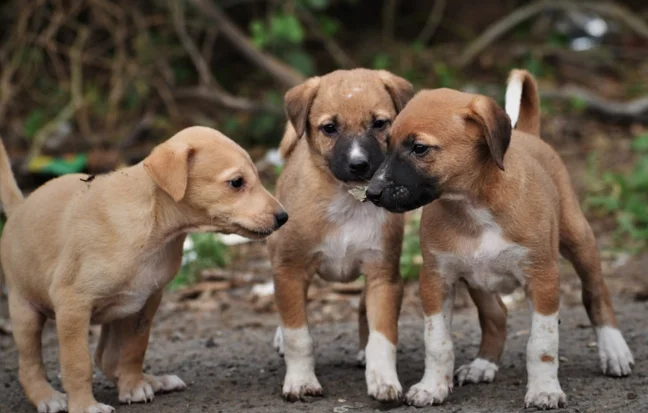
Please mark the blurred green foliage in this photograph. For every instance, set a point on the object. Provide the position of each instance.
(205, 251)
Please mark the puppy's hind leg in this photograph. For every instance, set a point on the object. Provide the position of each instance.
(122, 357)
(363, 329)
(492, 320)
(578, 245)
(27, 330)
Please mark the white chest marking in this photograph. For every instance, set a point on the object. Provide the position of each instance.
(494, 265)
(357, 234)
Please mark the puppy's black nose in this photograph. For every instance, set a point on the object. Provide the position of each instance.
(374, 194)
(358, 166)
(280, 219)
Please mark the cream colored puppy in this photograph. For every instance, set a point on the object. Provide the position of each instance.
(102, 249)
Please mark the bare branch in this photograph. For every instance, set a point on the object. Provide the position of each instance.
(636, 109)
(505, 24)
(225, 99)
(433, 21)
(283, 73)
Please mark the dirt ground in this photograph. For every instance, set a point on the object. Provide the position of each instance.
(227, 360)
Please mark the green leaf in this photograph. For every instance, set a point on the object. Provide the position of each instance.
(301, 61)
(35, 120)
(317, 4)
(286, 28)
(259, 33)
(640, 144)
(382, 61)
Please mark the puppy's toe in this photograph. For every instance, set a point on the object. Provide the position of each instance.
(361, 358)
(616, 358)
(428, 394)
(139, 392)
(98, 408)
(549, 398)
(383, 387)
(479, 371)
(171, 383)
(298, 388)
(56, 403)
(277, 342)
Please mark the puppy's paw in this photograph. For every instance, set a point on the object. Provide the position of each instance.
(616, 358)
(298, 388)
(429, 393)
(479, 371)
(384, 386)
(278, 342)
(361, 358)
(547, 396)
(57, 402)
(93, 408)
(142, 389)
(166, 383)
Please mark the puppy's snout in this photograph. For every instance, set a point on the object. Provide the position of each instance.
(374, 192)
(359, 165)
(280, 219)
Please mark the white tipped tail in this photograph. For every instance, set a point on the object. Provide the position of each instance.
(522, 103)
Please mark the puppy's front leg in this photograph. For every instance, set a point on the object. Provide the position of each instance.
(543, 388)
(438, 299)
(121, 352)
(290, 294)
(72, 324)
(383, 296)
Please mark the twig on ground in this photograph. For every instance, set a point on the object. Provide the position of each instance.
(279, 70)
(636, 109)
(508, 22)
(432, 23)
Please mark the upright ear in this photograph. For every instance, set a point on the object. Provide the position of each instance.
(168, 166)
(400, 90)
(298, 102)
(495, 124)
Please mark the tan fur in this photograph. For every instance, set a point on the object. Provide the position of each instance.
(527, 191)
(103, 251)
(308, 190)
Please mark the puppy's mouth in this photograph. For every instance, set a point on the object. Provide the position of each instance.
(255, 234)
(400, 198)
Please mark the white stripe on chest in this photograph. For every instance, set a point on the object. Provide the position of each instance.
(490, 263)
(356, 234)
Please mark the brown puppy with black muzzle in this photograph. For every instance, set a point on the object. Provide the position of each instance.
(102, 251)
(345, 117)
(499, 209)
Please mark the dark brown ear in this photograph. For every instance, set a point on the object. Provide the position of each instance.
(298, 102)
(495, 124)
(168, 166)
(400, 90)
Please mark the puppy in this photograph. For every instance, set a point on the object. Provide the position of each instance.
(499, 209)
(102, 250)
(344, 118)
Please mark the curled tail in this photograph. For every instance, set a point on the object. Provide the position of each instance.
(10, 194)
(522, 102)
(288, 142)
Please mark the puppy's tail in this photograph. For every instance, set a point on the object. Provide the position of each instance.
(522, 102)
(288, 142)
(10, 194)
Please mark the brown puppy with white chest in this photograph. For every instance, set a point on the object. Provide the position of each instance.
(499, 210)
(102, 251)
(344, 118)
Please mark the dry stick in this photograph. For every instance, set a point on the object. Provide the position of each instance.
(633, 109)
(500, 27)
(433, 21)
(76, 83)
(209, 88)
(332, 47)
(279, 70)
(388, 19)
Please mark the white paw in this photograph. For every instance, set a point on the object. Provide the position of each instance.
(169, 383)
(361, 358)
(56, 403)
(95, 408)
(297, 387)
(616, 358)
(140, 392)
(278, 342)
(479, 371)
(428, 393)
(383, 385)
(547, 395)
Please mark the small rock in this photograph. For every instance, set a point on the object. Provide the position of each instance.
(591, 344)
(563, 359)
(632, 395)
(211, 343)
(341, 400)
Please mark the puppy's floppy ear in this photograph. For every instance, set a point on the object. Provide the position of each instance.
(495, 124)
(400, 90)
(298, 102)
(168, 166)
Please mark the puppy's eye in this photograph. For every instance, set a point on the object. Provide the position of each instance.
(236, 183)
(379, 124)
(420, 149)
(329, 128)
